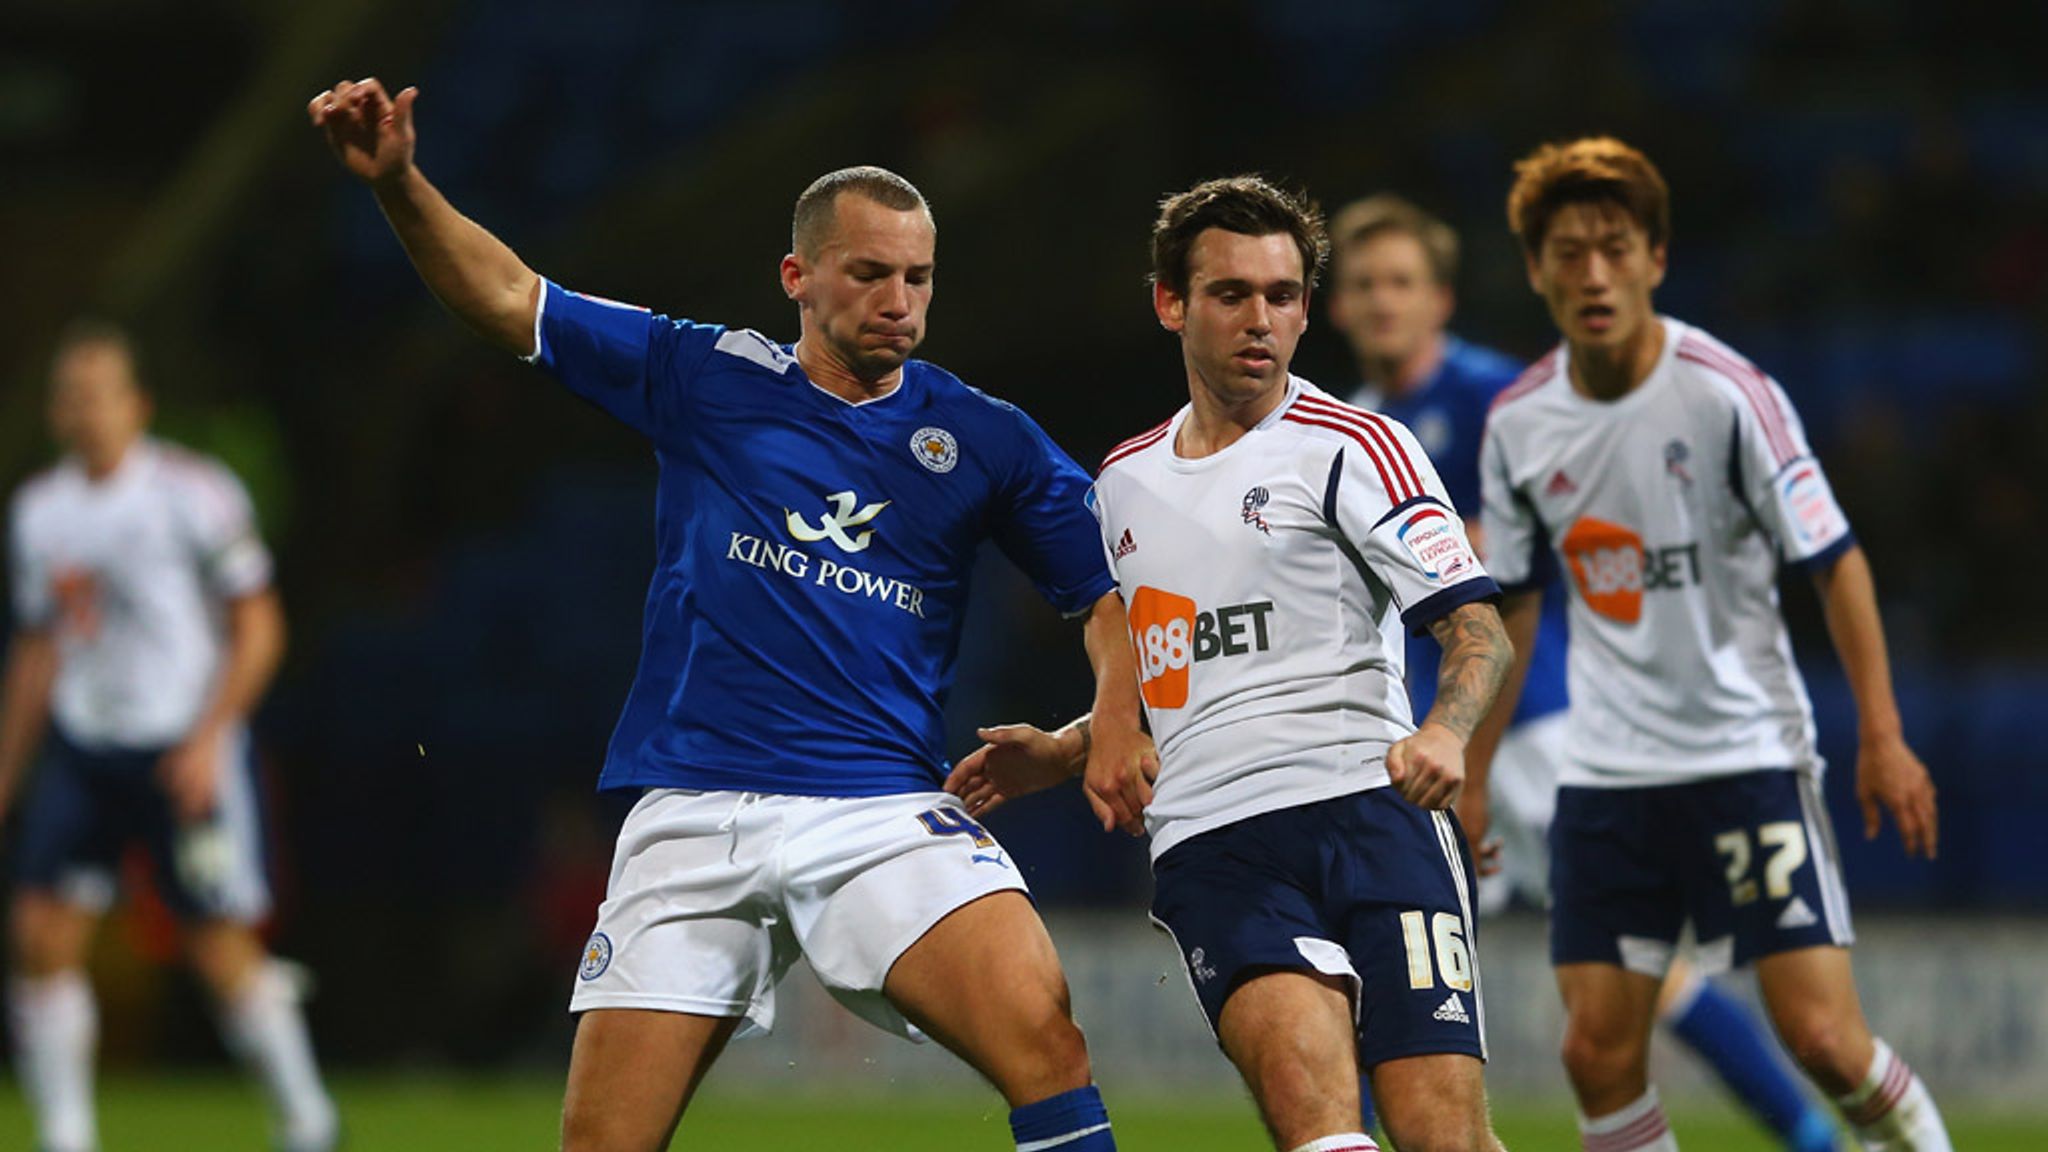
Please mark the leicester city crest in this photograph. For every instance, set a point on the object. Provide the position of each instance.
(935, 448)
(597, 956)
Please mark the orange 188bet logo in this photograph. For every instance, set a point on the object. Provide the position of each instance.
(1163, 632)
(1607, 564)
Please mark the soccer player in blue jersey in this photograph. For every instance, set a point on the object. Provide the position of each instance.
(819, 510)
(1395, 270)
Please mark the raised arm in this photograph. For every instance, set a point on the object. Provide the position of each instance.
(1888, 774)
(24, 705)
(472, 272)
(1429, 766)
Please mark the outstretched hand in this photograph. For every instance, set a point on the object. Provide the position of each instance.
(1889, 777)
(1015, 760)
(1122, 764)
(368, 131)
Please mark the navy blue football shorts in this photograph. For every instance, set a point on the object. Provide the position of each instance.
(85, 808)
(1749, 861)
(1367, 887)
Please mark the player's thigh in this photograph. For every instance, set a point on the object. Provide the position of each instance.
(1763, 876)
(70, 825)
(632, 1072)
(868, 881)
(49, 934)
(1617, 879)
(1433, 1102)
(691, 923)
(1811, 996)
(1400, 889)
(1290, 1034)
(1609, 1012)
(986, 983)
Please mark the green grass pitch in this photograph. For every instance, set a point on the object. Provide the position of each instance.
(392, 1113)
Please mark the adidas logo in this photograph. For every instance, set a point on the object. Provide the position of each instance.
(1797, 915)
(1560, 484)
(1452, 1011)
(1125, 546)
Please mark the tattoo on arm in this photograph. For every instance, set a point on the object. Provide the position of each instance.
(1085, 725)
(1477, 656)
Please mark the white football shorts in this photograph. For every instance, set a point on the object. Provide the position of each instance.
(713, 895)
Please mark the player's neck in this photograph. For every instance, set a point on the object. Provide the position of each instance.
(1403, 377)
(833, 375)
(101, 463)
(1609, 373)
(1216, 421)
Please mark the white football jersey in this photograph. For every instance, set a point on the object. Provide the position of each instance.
(1266, 585)
(1669, 510)
(131, 572)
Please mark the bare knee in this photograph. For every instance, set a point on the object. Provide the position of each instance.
(226, 956)
(1049, 1056)
(1836, 1053)
(1602, 1058)
(48, 936)
(1441, 1130)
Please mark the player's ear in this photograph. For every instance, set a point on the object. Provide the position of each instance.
(793, 275)
(1659, 255)
(1535, 270)
(1170, 307)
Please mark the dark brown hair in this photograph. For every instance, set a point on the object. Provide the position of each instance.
(1246, 205)
(1593, 169)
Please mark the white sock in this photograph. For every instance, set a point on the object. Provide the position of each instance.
(1891, 1111)
(264, 1028)
(1341, 1142)
(56, 1028)
(1639, 1127)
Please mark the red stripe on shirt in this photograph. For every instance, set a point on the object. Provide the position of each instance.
(1386, 477)
(1375, 425)
(1532, 378)
(1136, 443)
(1754, 385)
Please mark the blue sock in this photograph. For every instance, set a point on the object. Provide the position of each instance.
(1367, 1118)
(1072, 1121)
(1717, 1026)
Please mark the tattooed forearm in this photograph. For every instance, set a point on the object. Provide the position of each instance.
(1477, 656)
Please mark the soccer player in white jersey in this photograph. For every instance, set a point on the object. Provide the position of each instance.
(1670, 479)
(820, 507)
(1394, 267)
(146, 631)
(1273, 544)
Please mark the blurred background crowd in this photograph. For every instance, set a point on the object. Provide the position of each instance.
(1858, 194)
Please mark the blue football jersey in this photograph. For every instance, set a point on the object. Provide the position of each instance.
(1447, 414)
(811, 554)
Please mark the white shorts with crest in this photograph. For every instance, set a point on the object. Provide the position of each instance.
(713, 895)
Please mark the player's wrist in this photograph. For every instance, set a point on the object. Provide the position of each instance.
(1075, 740)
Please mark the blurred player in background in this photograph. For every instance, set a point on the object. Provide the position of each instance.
(1670, 478)
(1395, 273)
(147, 629)
(820, 507)
(1272, 544)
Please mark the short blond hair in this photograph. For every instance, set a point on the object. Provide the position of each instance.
(1361, 220)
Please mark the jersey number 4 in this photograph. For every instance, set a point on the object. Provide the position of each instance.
(1447, 931)
(953, 822)
(1785, 840)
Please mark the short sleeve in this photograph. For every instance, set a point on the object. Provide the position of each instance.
(1046, 524)
(635, 365)
(1514, 537)
(1386, 498)
(33, 606)
(1782, 482)
(222, 524)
